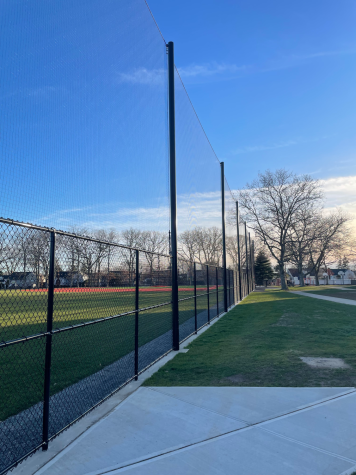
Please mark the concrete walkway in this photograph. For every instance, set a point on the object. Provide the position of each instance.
(324, 297)
(211, 431)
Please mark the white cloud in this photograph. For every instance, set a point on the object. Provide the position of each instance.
(340, 193)
(209, 69)
(221, 70)
(276, 145)
(142, 76)
(196, 209)
(295, 60)
(260, 148)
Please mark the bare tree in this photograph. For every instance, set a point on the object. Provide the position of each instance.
(13, 251)
(209, 245)
(102, 250)
(270, 205)
(38, 254)
(232, 250)
(156, 243)
(73, 252)
(330, 236)
(131, 238)
(188, 244)
(301, 235)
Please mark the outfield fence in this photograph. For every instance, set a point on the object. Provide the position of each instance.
(80, 318)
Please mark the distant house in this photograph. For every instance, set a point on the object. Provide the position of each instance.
(334, 276)
(115, 278)
(346, 274)
(160, 277)
(4, 281)
(309, 276)
(68, 279)
(293, 276)
(22, 280)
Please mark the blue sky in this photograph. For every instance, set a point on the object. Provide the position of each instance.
(84, 105)
(273, 82)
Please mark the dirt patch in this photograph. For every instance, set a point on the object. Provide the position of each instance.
(236, 378)
(287, 320)
(330, 363)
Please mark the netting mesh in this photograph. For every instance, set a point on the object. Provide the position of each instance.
(84, 128)
(198, 186)
(84, 100)
(244, 261)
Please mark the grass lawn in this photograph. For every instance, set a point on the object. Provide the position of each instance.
(79, 352)
(260, 341)
(348, 292)
(311, 288)
(317, 288)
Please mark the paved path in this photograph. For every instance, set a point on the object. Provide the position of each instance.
(211, 431)
(324, 297)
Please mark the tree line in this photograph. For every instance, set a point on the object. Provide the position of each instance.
(25, 250)
(286, 212)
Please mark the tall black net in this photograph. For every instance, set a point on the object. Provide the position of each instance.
(232, 254)
(198, 186)
(86, 283)
(84, 115)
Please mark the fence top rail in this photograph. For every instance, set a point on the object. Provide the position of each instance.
(78, 236)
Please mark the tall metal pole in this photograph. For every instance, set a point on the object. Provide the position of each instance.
(217, 290)
(208, 292)
(173, 194)
(247, 259)
(223, 232)
(195, 299)
(238, 249)
(47, 378)
(251, 261)
(137, 303)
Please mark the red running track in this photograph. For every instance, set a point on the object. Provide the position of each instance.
(105, 289)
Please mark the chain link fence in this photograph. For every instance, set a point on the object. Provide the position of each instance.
(80, 318)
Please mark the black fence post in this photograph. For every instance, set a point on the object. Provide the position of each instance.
(229, 288)
(173, 195)
(251, 264)
(195, 299)
(208, 292)
(223, 232)
(47, 377)
(217, 290)
(238, 250)
(247, 259)
(234, 287)
(137, 303)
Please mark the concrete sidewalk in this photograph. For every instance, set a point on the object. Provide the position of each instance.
(324, 297)
(195, 430)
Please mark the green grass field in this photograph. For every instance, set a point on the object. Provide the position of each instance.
(260, 342)
(311, 288)
(76, 353)
(317, 288)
